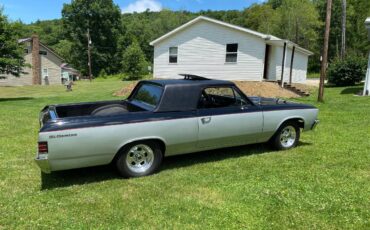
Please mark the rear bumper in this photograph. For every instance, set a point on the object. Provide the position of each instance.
(43, 163)
(315, 123)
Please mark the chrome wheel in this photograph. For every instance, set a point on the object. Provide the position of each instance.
(288, 136)
(139, 158)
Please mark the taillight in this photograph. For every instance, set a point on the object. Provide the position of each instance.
(43, 147)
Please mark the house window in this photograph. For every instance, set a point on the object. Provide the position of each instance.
(43, 52)
(173, 55)
(231, 52)
(26, 50)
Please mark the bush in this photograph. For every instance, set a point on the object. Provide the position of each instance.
(134, 63)
(103, 74)
(348, 71)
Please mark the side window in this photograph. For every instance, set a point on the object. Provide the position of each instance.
(173, 54)
(219, 97)
(231, 53)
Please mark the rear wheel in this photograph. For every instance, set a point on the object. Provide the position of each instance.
(286, 137)
(139, 159)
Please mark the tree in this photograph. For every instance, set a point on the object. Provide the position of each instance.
(64, 49)
(133, 61)
(298, 20)
(102, 18)
(11, 53)
(320, 97)
(355, 36)
(260, 18)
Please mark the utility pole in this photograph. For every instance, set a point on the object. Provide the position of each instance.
(343, 43)
(89, 52)
(324, 61)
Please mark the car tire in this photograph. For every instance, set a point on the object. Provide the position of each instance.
(286, 137)
(139, 159)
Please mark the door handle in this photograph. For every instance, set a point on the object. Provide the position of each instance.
(205, 120)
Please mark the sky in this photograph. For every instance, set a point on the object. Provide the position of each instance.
(31, 10)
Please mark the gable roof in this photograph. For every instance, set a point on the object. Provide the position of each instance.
(22, 40)
(267, 37)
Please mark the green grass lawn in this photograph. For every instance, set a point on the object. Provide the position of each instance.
(313, 75)
(323, 183)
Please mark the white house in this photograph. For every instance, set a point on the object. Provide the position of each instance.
(219, 50)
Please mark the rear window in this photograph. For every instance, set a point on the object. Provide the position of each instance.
(148, 95)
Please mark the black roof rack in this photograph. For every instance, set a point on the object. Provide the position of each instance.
(192, 77)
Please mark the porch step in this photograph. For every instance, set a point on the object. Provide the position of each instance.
(294, 89)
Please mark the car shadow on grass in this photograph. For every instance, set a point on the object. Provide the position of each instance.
(186, 160)
(78, 176)
(108, 172)
(16, 99)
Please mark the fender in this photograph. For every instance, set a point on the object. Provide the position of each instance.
(290, 118)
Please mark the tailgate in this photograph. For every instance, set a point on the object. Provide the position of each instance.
(48, 113)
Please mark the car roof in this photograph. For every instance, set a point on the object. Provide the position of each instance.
(189, 82)
(182, 94)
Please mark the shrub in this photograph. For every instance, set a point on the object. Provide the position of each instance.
(348, 71)
(134, 63)
(103, 74)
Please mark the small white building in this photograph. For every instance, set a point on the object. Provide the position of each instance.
(218, 50)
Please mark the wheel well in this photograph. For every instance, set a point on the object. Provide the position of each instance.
(160, 142)
(299, 121)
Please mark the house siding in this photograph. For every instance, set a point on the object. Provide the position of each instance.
(299, 65)
(52, 63)
(273, 62)
(202, 51)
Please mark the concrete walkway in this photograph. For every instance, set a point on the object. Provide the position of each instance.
(314, 81)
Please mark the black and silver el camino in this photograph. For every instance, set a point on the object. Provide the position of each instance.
(164, 118)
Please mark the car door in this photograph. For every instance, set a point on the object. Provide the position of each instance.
(227, 118)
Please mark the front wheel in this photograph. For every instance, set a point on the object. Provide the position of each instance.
(139, 159)
(286, 137)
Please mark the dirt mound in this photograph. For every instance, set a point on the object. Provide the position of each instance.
(264, 89)
(250, 88)
(126, 90)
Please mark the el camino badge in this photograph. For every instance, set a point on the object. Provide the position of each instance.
(63, 135)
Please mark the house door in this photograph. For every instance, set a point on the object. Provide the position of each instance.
(267, 62)
(45, 76)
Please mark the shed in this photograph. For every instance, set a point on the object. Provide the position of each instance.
(69, 73)
(219, 50)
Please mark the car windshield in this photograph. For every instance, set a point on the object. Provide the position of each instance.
(148, 95)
